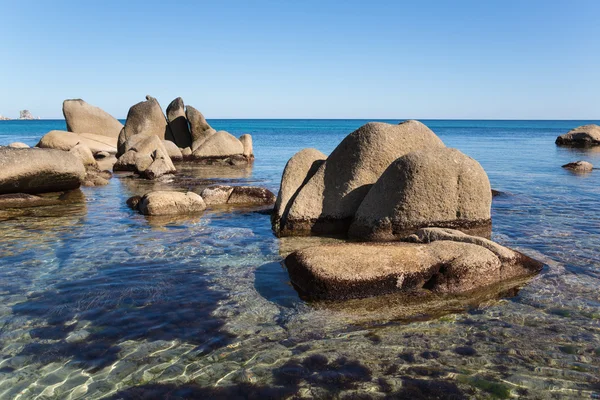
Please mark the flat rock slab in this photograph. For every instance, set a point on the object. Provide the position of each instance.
(357, 270)
(168, 203)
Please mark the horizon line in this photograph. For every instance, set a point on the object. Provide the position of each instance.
(356, 119)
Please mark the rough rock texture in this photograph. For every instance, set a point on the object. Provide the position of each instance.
(84, 153)
(63, 140)
(24, 200)
(95, 177)
(178, 123)
(82, 117)
(38, 171)
(18, 145)
(298, 170)
(25, 114)
(246, 140)
(187, 152)
(436, 187)
(199, 128)
(355, 270)
(328, 201)
(147, 156)
(170, 203)
(219, 145)
(582, 136)
(579, 166)
(173, 151)
(146, 118)
(237, 195)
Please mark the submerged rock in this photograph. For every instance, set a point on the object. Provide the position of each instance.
(39, 170)
(167, 203)
(82, 117)
(63, 140)
(432, 187)
(237, 195)
(18, 145)
(178, 123)
(579, 166)
(582, 136)
(356, 270)
(327, 202)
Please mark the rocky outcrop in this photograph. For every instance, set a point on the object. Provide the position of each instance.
(85, 155)
(173, 151)
(237, 195)
(327, 202)
(355, 270)
(4, 118)
(18, 145)
(298, 170)
(146, 118)
(82, 117)
(221, 146)
(246, 140)
(167, 203)
(178, 123)
(199, 128)
(579, 166)
(145, 155)
(25, 114)
(63, 140)
(582, 136)
(38, 171)
(431, 187)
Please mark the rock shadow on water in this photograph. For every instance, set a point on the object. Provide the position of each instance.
(88, 318)
(273, 283)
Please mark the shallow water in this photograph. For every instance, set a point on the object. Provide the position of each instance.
(98, 301)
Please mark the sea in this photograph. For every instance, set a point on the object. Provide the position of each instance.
(97, 301)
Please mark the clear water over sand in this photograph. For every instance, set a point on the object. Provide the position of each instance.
(98, 301)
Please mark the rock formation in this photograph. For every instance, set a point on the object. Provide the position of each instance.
(4, 118)
(25, 114)
(63, 140)
(145, 155)
(167, 203)
(82, 117)
(179, 124)
(579, 166)
(237, 195)
(582, 136)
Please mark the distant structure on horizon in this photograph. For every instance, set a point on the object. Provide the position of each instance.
(25, 114)
(4, 118)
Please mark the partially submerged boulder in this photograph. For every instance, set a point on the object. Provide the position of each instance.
(439, 187)
(199, 128)
(82, 117)
(237, 195)
(298, 170)
(246, 140)
(63, 140)
(355, 270)
(579, 166)
(327, 202)
(178, 123)
(39, 170)
(222, 147)
(145, 155)
(18, 145)
(168, 203)
(582, 136)
(146, 118)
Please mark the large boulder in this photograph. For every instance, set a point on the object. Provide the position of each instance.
(146, 118)
(582, 136)
(169, 203)
(18, 145)
(39, 170)
(298, 170)
(199, 128)
(147, 156)
(178, 123)
(82, 117)
(579, 166)
(246, 140)
(173, 151)
(218, 146)
(328, 201)
(84, 154)
(237, 195)
(355, 270)
(436, 187)
(63, 140)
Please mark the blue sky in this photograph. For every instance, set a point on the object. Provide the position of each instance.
(306, 59)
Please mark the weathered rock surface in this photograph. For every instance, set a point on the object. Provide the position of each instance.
(173, 151)
(355, 270)
(82, 117)
(178, 123)
(582, 136)
(218, 146)
(169, 203)
(237, 195)
(18, 145)
(84, 153)
(298, 170)
(25, 114)
(63, 140)
(328, 201)
(246, 140)
(38, 171)
(146, 118)
(439, 187)
(96, 177)
(147, 156)
(579, 166)
(199, 128)
(24, 200)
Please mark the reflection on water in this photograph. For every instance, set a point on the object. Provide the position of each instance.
(97, 301)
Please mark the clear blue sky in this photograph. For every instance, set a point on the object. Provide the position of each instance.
(525, 59)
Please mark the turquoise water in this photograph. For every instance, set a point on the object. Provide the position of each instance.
(99, 302)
